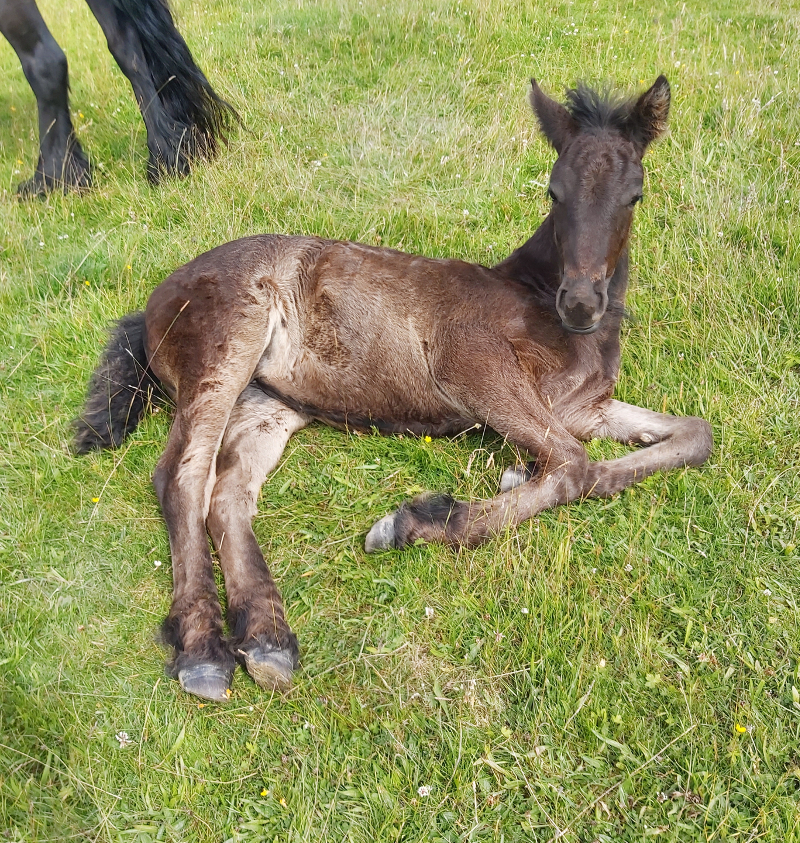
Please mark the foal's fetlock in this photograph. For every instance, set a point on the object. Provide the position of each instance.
(435, 518)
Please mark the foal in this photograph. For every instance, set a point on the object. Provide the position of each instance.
(256, 338)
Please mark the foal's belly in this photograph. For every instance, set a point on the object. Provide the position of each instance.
(365, 382)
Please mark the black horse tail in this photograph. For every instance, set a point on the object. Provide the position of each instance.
(120, 390)
(183, 89)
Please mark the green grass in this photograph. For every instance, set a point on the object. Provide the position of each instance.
(588, 674)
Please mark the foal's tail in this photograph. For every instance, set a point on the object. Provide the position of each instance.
(121, 389)
(184, 91)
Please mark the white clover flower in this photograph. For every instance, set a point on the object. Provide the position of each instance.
(123, 739)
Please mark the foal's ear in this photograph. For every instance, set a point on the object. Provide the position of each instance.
(556, 123)
(648, 118)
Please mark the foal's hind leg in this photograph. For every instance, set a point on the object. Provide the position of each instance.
(258, 430)
(204, 356)
(183, 478)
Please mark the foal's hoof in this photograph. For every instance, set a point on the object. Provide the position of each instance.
(513, 477)
(208, 681)
(382, 535)
(270, 668)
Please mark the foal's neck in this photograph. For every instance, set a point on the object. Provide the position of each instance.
(535, 263)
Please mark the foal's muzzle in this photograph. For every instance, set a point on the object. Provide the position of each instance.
(581, 304)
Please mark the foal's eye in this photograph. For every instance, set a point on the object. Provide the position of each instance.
(635, 200)
(551, 195)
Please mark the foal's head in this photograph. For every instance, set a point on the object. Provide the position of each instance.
(594, 186)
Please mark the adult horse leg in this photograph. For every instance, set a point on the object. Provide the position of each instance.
(183, 115)
(257, 433)
(124, 44)
(62, 163)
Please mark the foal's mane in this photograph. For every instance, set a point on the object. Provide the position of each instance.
(603, 109)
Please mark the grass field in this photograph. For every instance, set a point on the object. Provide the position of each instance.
(612, 671)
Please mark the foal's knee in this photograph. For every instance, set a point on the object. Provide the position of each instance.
(575, 467)
(698, 441)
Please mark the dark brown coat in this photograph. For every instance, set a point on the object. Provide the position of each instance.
(256, 338)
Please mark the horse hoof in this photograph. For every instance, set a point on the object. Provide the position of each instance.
(382, 534)
(513, 477)
(270, 669)
(208, 681)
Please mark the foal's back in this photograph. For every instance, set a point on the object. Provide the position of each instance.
(356, 335)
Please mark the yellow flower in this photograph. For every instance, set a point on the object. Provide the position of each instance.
(282, 802)
(94, 500)
(228, 693)
(740, 729)
(264, 791)
(428, 439)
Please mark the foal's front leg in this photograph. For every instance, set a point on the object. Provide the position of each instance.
(518, 413)
(670, 442)
(257, 433)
